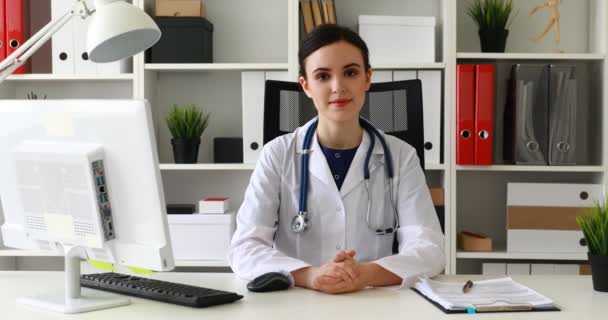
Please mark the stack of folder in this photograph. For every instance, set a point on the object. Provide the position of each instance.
(540, 116)
(317, 12)
(474, 114)
(14, 29)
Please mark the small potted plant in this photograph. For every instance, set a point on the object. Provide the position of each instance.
(594, 224)
(187, 125)
(492, 18)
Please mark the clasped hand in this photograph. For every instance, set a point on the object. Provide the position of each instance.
(342, 274)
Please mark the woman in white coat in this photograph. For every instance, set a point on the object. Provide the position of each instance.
(339, 250)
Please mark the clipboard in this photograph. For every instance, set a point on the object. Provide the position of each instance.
(517, 308)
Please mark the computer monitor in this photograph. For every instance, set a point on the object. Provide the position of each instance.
(81, 178)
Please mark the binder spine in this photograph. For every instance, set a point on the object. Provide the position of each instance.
(529, 112)
(465, 114)
(484, 113)
(17, 29)
(2, 29)
(562, 114)
(63, 41)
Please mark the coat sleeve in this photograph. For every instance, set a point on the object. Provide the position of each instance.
(421, 242)
(251, 252)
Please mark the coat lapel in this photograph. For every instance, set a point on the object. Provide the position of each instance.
(317, 164)
(355, 173)
(318, 167)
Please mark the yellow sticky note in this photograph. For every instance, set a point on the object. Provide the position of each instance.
(140, 270)
(102, 265)
(60, 226)
(59, 124)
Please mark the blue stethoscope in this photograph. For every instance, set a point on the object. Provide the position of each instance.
(301, 222)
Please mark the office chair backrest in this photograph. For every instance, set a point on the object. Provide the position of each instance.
(393, 107)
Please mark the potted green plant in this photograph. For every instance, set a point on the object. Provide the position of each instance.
(594, 224)
(187, 125)
(492, 18)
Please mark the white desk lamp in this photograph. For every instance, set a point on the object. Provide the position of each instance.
(118, 30)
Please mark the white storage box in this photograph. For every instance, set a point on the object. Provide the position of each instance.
(201, 236)
(398, 39)
(214, 205)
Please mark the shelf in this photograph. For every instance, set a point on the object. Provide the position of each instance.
(207, 166)
(530, 56)
(201, 263)
(4, 252)
(515, 168)
(242, 166)
(69, 77)
(430, 65)
(521, 255)
(434, 166)
(194, 67)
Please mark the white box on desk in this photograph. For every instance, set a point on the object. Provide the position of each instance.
(398, 39)
(214, 205)
(201, 236)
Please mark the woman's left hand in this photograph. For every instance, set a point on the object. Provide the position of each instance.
(340, 286)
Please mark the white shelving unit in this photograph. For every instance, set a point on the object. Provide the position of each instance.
(264, 36)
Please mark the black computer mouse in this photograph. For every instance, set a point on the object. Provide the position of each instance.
(271, 281)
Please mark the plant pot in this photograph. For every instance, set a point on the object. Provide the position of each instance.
(493, 40)
(599, 272)
(185, 150)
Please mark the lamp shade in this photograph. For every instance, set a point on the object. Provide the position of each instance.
(119, 30)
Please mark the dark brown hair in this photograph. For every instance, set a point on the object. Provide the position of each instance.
(326, 34)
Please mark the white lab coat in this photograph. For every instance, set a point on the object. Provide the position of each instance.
(264, 242)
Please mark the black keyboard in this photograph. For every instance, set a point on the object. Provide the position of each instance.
(164, 291)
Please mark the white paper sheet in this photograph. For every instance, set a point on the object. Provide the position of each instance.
(484, 293)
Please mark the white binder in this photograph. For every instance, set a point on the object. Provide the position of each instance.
(82, 64)
(63, 41)
(431, 111)
(253, 85)
(405, 75)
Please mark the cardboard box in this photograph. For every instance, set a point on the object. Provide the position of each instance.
(180, 8)
(468, 241)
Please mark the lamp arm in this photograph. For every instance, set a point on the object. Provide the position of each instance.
(27, 49)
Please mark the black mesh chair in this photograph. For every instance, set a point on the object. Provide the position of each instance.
(393, 107)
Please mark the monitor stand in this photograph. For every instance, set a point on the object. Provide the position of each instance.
(71, 301)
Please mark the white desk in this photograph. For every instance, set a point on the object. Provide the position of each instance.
(573, 294)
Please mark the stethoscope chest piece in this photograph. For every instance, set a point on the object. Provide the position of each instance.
(299, 223)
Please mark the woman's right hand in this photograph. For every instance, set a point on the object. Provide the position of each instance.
(332, 277)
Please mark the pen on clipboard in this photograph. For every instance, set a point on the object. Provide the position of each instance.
(467, 286)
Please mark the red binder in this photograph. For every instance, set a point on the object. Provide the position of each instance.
(484, 113)
(17, 28)
(2, 30)
(465, 114)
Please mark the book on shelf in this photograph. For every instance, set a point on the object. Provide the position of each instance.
(314, 13)
(306, 13)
